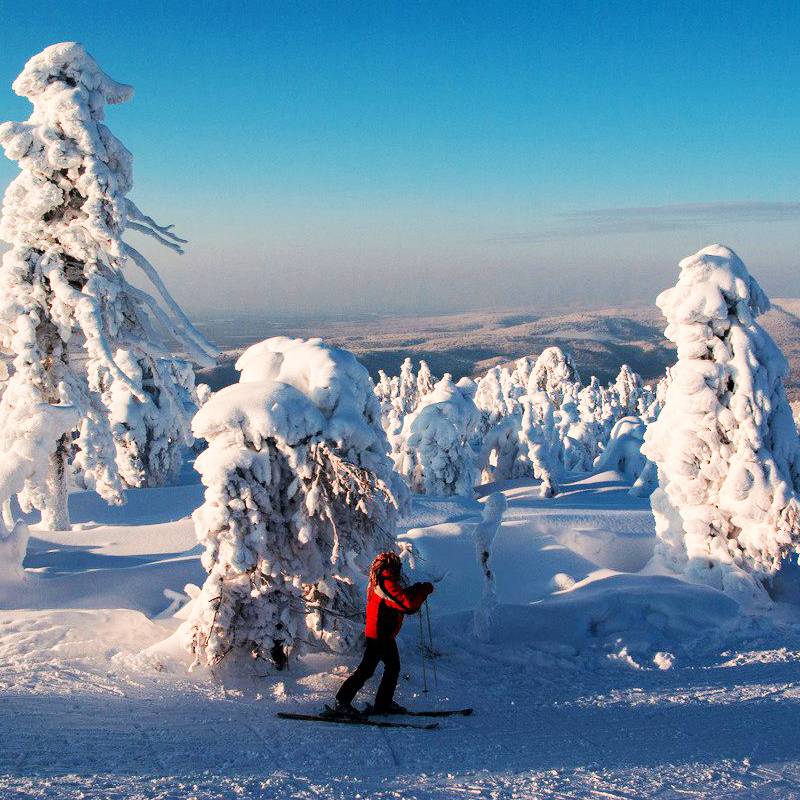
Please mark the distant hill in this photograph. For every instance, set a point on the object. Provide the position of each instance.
(472, 342)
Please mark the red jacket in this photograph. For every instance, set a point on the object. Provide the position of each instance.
(388, 601)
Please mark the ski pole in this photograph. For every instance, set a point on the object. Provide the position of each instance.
(430, 639)
(422, 655)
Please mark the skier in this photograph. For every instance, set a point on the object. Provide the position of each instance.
(387, 602)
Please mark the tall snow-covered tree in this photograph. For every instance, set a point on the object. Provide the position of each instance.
(300, 495)
(62, 289)
(725, 444)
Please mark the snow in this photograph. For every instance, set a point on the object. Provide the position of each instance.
(600, 679)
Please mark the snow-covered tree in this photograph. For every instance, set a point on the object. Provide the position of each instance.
(504, 452)
(62, 288)
(725, 443)
(611, 410)
(540, 433)
(494, 507)
(406, 400)
(659, 396)
(590, 412)
(434, 453)
(578, 438)
(590, 401)
(425, 379)
(24, 447)
(492, 398)
(630, 391)
(623, 454)
(300, 495)
(516, 378)
(555, 374)
(149, 437)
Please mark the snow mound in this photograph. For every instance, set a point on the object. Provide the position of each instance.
(649, 614)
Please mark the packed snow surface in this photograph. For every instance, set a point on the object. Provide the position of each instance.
(599, 680)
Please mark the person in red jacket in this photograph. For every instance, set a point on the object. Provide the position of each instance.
(387, 603)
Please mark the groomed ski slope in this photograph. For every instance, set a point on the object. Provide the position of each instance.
(600, 681)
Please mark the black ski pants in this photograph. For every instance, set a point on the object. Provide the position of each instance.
(377, 650)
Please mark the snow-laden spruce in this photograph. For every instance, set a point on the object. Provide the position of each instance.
(725, 443)
(300, 495)
(434, 454)
(62, 288)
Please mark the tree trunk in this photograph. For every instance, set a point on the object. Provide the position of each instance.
(55, 514)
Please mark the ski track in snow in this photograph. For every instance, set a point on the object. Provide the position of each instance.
(84, 716)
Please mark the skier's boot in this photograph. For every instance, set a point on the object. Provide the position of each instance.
(392, 708)
(339, 709)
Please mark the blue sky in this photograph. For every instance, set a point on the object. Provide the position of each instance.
(439, 156)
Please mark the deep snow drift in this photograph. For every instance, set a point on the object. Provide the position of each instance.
(598, 680)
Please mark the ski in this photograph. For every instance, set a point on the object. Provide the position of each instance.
(449, 712)
(356, 721)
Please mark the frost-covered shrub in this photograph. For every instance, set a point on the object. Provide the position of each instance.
(555, 374)
(434, 453)
(300, 495)
(541, 436)
(725, 443)
(62, 283)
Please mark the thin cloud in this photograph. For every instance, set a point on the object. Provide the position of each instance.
(650, 219)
